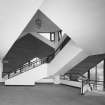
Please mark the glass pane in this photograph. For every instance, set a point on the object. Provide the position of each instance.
(52, 37)
(46, 35)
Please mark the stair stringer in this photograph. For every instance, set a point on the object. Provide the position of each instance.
(67, 58)
(29, 77)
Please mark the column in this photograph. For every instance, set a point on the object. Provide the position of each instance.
(89, 75)
(104, 74)
(60, 35)
(1, 70)
(96, 77)
(56, 79)
(56, 37)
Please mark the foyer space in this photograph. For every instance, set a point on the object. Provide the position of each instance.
(52, 52)
(46, 94)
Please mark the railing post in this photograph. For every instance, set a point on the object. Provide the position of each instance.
(104, 73)
(8, 75)
(96, 77)
(89, 75)
(1, 70)
(82, 88)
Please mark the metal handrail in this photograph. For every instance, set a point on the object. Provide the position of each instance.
(27, 67)
(30, 65)
(92, 84)
(60, 47)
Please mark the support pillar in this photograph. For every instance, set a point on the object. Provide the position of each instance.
(96, 77)
(56, 79)
(104, 74)
(56, 37)
(89, 75)
(1, 70)
(59, 35)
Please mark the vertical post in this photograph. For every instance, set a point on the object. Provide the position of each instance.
(59, 35)
(104, 74)
(56, 37)
(50, 36)
(1, 70)
(82, 88)
(89, 75)
(57, 79)
(96, 77)
(89, 78)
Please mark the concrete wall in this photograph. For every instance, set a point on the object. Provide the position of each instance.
(45, 80)
(67, 58)
(83, 20)
(71, 83)
(29, 77)
(37, 35)
(1, 70)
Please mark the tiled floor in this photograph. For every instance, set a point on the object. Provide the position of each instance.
(46, 95)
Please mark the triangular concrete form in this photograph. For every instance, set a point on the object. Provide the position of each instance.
(15, 15)
(40, 23)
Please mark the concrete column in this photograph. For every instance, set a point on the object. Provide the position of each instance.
(1, 70)
(56, 37)
(89, 75)
(56, 79)
(104, 73)
(60, 35)
(96, 77)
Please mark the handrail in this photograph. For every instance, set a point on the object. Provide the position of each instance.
(92, 84)
(27, 67)
(62, 44)
(30, 65)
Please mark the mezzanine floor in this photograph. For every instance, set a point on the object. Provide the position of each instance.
(44, 94)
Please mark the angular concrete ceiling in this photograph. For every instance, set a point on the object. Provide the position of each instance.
(87, 64)
(83, 20)
(44, 25)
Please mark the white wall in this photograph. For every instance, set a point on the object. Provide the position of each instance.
(29, 77)
(71, 83)
(83, 20)
(1, 70)
(67, 58)
(14, 16)
(45, 80)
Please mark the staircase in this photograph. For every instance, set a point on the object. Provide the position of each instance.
(67, 58)
(30, 46)
(26, 53)
(25, 67)
(24, 50)
(35, 64)
(85, 65)
(93, 88)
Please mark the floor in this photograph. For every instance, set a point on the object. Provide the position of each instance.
(46, 95)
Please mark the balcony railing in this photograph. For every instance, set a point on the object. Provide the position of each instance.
(92, 86)
(35, 62)
(26, 67)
